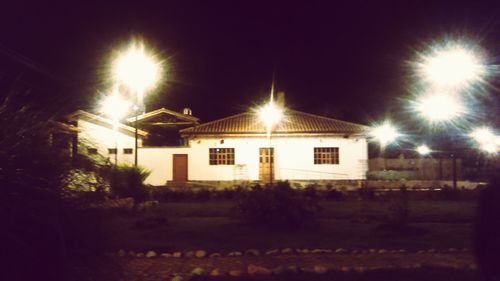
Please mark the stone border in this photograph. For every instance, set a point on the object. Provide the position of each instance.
(273, 252)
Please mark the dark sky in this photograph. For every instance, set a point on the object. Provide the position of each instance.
(341, 59)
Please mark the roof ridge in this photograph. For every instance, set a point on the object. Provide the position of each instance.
(162, 110)
(214, 121)
(328, 118)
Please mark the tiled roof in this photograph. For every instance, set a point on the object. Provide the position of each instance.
(294, 122)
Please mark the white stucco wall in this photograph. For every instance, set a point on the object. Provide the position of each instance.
(294, 158)
(102, 138)
(158, 160)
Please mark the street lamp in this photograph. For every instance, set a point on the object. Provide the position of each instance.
(115, 107)
(423, 150)
(270, 115)
(439, 107)
(451, 65)
(447, 71)
(139, 71)
(384, 133)
(487, 140)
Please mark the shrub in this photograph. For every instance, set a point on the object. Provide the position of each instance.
(334, 194)
(127, 181)
(203, 195)
(366, 193)
(37, 216)
(398, 208)
(448, 193)
(487, 228)
(231, 193)
(277, 206)
(398, 216)
(311, 192)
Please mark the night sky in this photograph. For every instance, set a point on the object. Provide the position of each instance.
(341, 59)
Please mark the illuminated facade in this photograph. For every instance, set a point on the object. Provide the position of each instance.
(301, 147)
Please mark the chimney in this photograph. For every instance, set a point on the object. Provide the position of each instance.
(187, 111)
(280, 101)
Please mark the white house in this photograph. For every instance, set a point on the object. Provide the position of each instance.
(101, 136)
(302, 147)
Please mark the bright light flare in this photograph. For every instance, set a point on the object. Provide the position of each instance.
(136, 69)
(423, 149)
(385, 133)
(115, 107)
(482, 134)
(452, 66)
(270, 115)
(486, 139)
(439, 107)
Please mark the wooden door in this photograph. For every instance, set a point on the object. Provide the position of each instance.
(266, 164)
(180, 167)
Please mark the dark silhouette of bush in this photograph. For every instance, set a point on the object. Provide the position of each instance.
(487, 241)
(448, 193)
(366, 193)
(277, 207)
(203, 195)
(398, 207)
(127, 181)
(334, 195)
(44, 230)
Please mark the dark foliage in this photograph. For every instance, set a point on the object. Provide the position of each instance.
(398, 215)
(127, 181)
(488, 230)
(366, 193)
(311, 192)
(43, 230)
(202, 195)
(335, 195)
(278, 206)
(398, 206)
(165, 194)
(448, 193)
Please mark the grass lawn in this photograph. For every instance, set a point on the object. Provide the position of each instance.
(346, 224)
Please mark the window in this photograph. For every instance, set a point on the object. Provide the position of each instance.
(128, 150)
(221, 156)
(112, 150)
(326, 155)
(91, 150)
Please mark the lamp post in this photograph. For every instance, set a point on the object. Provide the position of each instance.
(139, 71)
(115, 107)
(384, 133)
(442, 108)
(270, 115)
(446, 72)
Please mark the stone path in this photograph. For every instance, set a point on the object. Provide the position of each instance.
(164, 268)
